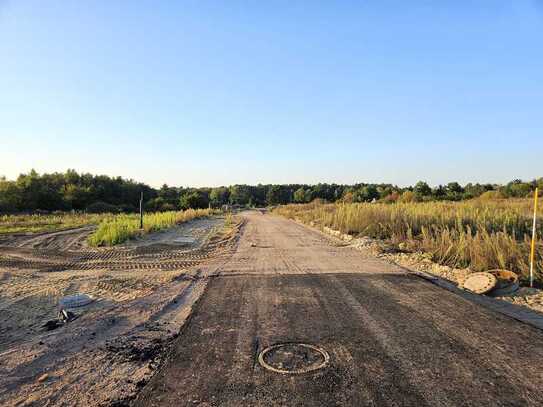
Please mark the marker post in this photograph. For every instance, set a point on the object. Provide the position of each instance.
(141, 210)
(532, 250)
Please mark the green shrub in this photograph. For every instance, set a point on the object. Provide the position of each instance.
(120, 228)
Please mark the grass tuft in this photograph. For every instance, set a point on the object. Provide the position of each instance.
(120, 228)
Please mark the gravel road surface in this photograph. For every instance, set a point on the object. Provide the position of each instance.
(392, 338)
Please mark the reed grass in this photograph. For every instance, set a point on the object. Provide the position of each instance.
(477, 234)
(120, 228)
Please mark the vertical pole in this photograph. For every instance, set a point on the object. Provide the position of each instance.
(532, 251)
(141, 210)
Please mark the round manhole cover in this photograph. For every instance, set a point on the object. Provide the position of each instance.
(480, 283)
(293, 358)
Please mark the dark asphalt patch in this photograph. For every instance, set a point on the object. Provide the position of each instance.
(383, 349)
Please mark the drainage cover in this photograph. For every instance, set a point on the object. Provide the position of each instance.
(480, 283)
(74, 301)
(184, 240)
(293, 358)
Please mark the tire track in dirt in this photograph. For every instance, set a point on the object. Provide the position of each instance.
(139, 258)
(106, 355)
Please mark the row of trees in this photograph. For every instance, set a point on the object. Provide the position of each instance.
(99, 193)
(70, 190)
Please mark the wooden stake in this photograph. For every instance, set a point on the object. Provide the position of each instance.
(141, 210)
(532, 251)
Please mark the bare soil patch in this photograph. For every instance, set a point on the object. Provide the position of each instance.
(69, 239)
(142, 291)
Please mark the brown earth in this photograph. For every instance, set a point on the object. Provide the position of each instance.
(143, 293)
(393, 338)
(67, 239)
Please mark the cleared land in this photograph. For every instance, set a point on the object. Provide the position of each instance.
(143, 291)
(393, 338)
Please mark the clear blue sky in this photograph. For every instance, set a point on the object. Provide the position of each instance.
(209, 93)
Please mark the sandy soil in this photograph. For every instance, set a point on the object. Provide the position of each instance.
(143, 292)
(62, 240)
(393, 338)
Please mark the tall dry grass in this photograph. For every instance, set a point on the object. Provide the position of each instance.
(120, 228)
(477, 234)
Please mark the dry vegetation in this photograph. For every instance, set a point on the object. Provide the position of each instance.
(477, 234)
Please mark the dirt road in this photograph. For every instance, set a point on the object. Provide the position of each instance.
(392, 338)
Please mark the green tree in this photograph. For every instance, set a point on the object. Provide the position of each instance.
(422, 189)
(76, 196)
(365, 193)
(219, 196)
(193, 200)
(240, 194)
(299, 195)
(440, 192)
(40, 192)
(518, 189)
(169, 195)
(475, 190)
(277, 195)
(10, 196)
(309, 196)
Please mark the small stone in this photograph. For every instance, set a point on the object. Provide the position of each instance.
(43, 378)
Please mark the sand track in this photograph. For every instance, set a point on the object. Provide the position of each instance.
(62, 240)
(143, 291)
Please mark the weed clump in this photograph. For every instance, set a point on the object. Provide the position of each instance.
(120, 228)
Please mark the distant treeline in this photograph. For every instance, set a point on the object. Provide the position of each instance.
(100, 193)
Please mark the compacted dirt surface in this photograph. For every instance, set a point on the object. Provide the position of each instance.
(142, 293)
(373, 334)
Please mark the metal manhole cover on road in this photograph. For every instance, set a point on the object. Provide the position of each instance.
(293, 358)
